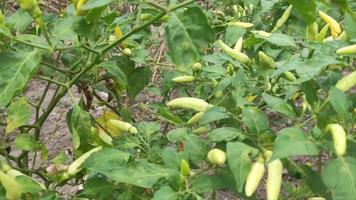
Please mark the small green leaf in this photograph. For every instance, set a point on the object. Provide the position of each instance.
(138, 80)
(165, 193)
(279, 39)
(91, 4)
(340, 103)
(223, 134)
(139, 173)
(188, 34)
(196, 148)
(98, 188)
(239, 161)
(60, 158)
(26, 142)
(222, 179)
(18, 114)
(306, 9)
(106, 160)
(255, 119)
(171, 158)
(339, 176)
(279, 105)
(214, 114)
(293, 142)
(177, 135)
(16, 70)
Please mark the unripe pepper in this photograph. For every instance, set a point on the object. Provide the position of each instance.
(289, 76)
(196, 118)
(238, 45)
(241, 24)
(2, 19)
(255, 176)
(78, 7)
(234, 54)
(31, 6)
(184, 168)
(281, 21)
(274, 178)
(334, 25)
(74, 168)
(322, 34)
(118, 32)
(200, 130)
(190, 103)
(312, 31)
(28, 5)
(348, 50)
(342, 36)
(197, 66)
(127, 52)
(266, 61)
(12, 187)
(216, 157)
(146, 17)
(328, 39)
(183, 79)
(106, 138)
(262, 33)
(123, 126)
(347, 82)
(339, 137)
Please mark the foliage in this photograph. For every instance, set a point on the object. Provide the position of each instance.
(251, 78)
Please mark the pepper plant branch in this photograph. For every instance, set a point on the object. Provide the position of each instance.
(63, 90)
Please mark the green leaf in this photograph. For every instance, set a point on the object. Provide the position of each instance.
(214, 114)
(279, 105)
(196, 148)
(140, 173)
(313, 181)
(98, 188)
(339, 176)
(166, 115)
(16, 70)
(165, 193)
(79, 123)
(115, 72)
(188, 34)
(312, 67)
(18, 114)
(306, 8)
(279, 39)
(148, 128)
(171, 158)
(255, 119)
(26, 142)
(223, 134)
(28, 184)
(60, 158)
(239, 161)
(106, 160)
(233, 34)
(138, 80)
(350, 25)
(20, 20)
(293, 142)
(222, 179)
(177, 135)
(63, 29)
(340, 103)
(91, 4)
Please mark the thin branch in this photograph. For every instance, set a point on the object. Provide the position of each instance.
(52, 81)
